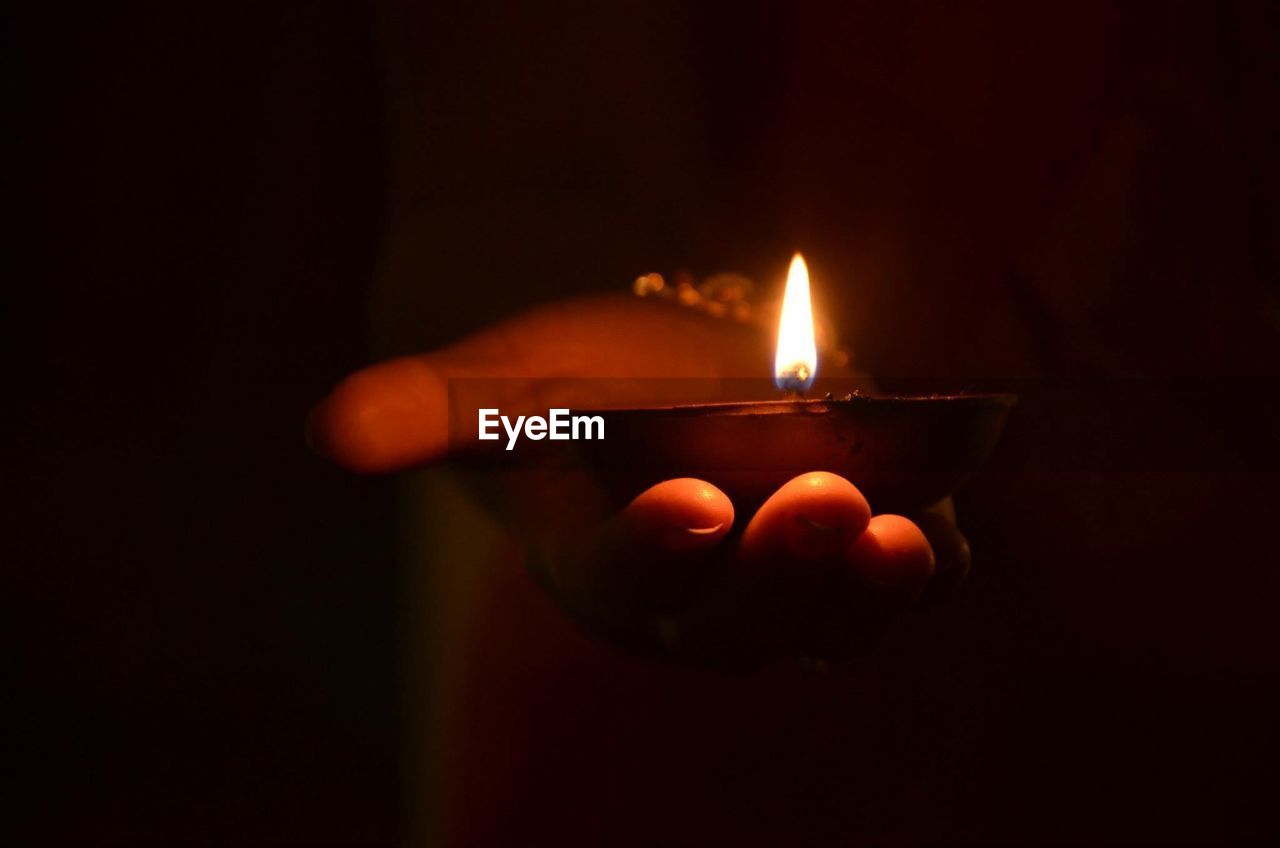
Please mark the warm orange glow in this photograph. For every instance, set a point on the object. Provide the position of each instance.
(796, 360)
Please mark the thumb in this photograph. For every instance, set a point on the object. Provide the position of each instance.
(385, 417)
(396, 414)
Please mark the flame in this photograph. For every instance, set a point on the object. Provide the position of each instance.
(796, 360)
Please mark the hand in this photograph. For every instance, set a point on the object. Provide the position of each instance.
(812, 572)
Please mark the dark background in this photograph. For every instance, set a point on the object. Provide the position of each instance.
(216, 211)
(204, 615)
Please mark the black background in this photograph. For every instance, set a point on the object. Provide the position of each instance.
(204, 616)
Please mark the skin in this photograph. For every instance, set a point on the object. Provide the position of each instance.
(677, 571)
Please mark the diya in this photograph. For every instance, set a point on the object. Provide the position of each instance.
(904, 452)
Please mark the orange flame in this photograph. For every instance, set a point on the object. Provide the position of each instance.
(796, 360)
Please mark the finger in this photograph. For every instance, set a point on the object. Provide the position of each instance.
(388, 416)
(892, 554)
(676, 517)
(883, 572)
(791, 548)
(649, 556)
(810, 518)
(952, 558)
(396, 414)
(945, 508)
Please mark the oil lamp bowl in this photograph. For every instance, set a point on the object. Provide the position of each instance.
(903, 452)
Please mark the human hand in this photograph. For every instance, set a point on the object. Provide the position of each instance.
(676, 570)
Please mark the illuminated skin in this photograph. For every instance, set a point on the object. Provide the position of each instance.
(814, 541)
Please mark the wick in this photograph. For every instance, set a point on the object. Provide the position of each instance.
(794, 381)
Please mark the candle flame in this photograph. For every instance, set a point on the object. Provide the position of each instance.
(796, 360)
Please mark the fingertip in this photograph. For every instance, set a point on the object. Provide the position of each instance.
(893, 552)
(683, 514)
(811, 516)
(652, 554)
(382, 418)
